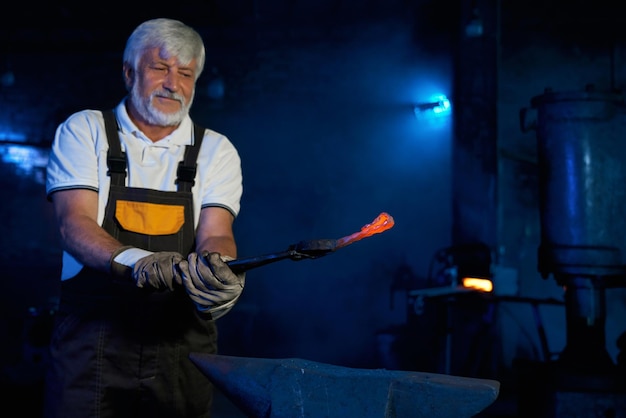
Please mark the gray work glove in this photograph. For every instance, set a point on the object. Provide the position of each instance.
(157, 270)
(211, 284)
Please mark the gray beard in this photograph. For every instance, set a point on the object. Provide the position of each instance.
(156, 117)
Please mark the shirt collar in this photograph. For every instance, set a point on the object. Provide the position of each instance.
(183, 135)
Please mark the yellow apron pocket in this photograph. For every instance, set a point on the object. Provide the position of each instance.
(149, 218)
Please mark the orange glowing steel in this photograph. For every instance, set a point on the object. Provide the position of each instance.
(383, 222)
(484, 285)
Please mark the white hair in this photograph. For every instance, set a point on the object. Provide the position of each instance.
(172, 37)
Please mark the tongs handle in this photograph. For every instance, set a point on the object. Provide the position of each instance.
(243, 264)
(299, 251)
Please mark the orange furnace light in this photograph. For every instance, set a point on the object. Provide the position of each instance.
(484, 285)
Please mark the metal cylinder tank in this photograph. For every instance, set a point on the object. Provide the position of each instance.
(581, 152)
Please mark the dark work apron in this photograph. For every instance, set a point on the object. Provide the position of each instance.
(121, 351)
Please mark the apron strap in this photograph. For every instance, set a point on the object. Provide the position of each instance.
(116, 159)
(187, 167)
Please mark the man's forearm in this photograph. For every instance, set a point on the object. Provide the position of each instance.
(86, 241)
(223, 245)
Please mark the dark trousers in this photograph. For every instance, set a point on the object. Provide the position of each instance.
(126, 354)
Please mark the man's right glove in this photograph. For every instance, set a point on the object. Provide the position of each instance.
(211, 284)
(158, 270)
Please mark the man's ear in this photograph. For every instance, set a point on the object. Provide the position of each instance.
(129, 76)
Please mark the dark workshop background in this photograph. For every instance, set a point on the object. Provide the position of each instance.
(331, 105)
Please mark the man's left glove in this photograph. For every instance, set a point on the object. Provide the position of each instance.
(158, 270)
(211, 284)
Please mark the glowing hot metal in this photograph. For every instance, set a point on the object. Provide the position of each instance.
(383, 222)
(314, 248)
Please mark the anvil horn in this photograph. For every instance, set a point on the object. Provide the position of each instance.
(288, 388)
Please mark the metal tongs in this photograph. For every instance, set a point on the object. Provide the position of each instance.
(308, 249)
(315, 248)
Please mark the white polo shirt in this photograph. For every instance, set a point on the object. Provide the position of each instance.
(78, 160)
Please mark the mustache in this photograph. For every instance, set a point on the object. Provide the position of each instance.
(168, 95)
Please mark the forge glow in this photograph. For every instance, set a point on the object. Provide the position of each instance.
(484, 285)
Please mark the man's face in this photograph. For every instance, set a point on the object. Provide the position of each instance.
(162, 90)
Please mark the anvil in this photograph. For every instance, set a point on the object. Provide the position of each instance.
(297, 388)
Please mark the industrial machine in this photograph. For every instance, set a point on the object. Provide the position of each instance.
(581, 156)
